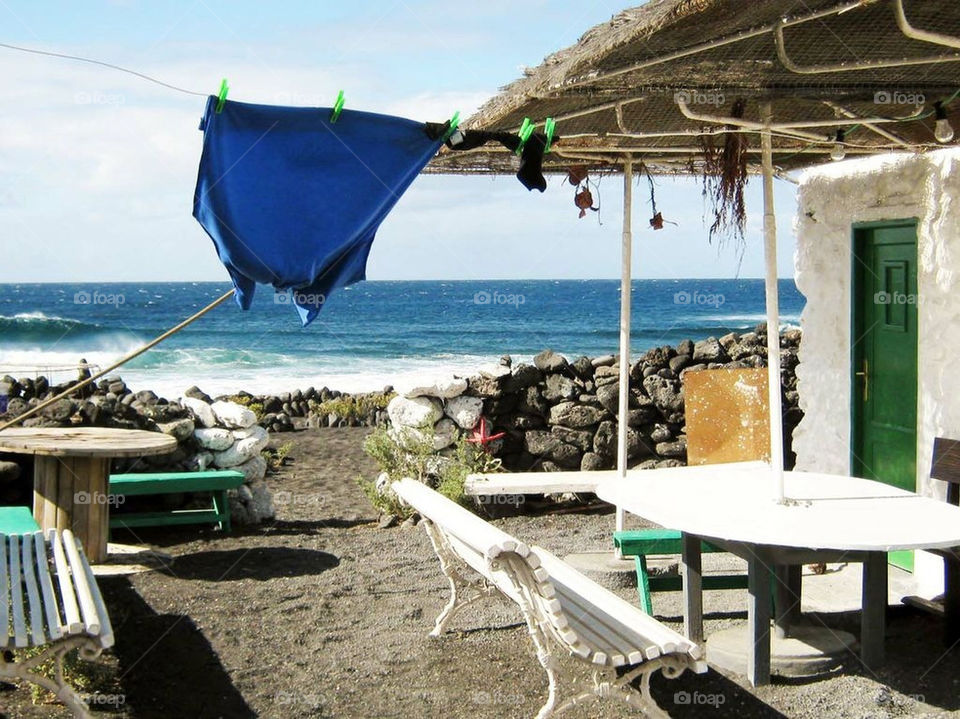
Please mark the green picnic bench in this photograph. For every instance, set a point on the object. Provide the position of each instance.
(17, 520)
(216, 482)
(642, 543)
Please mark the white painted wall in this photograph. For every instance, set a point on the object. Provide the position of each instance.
(831, 198)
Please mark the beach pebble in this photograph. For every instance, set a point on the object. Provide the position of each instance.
(465, 411)
(179, 429)
(414, 411)
(215, 438)
(231, 414)
(201, 410)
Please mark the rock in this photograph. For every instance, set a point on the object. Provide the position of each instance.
(676, 449)
(487, 387)
(60, 411)
(494, 371)
(665, 394)
(117, 387)
(660, 433)
(179, 429)
(464, 410)
(605, 442)
(215, 438)
(550, 361)
(501, 405)
(685, 348)
(791, 337)
(592, 461)
(678, 363)
(604, 361)
(9, 472)
(580, 439)
(575, 416)
(708, 350)
(524, 375)
(658, 356)
(414, 411)
(527, 421)
(254, 469)
(445, 433)
(566, 456)
(242, 450)
(387, 521)
(583, 368)
(559, 388)
(609, 397)
(262, 502)
(540, 442)
(233, 415)
(201, 410)
(200, 462)
(532, 402)
(16, 406)
(409, 523)
(443, 388)
(728, 340)
(196, 393)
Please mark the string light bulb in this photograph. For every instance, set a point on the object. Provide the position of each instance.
(838, 151)
(943, 130)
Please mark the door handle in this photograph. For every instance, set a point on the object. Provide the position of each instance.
(866, 379)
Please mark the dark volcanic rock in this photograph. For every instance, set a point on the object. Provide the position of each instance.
(575, 416)
(550, 361)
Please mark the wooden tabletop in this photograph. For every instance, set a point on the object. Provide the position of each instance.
(85, 441)
(736, 503)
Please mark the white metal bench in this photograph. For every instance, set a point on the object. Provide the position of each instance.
(49, 600)
(567, 614)
(535, 482)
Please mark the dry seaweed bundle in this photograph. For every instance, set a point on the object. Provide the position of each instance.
(724, 180)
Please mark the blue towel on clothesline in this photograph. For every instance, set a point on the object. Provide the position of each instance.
(294, 201)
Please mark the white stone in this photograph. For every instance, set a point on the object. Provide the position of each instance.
(216, 438)
(414, 411)
(493, 371)
(465, 411)
(443, 388)
(233, 415)
(444, 434)
(241, 451)
(382, 483)
(201, 461)
(254, 431)
(201, 410)
(254, 469)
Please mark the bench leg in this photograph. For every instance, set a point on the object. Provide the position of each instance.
(758, 620)
(462, 591)
(873, 618)
(692, 589)
(643, 584)
(222, 507)
(26, 670)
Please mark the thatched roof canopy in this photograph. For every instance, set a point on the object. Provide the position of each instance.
(644, 81)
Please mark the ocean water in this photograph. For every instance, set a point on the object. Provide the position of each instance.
(367, 336)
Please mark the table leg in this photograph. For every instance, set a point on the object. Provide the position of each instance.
(873, 619)
(951, 600)
(788, 580)
(692, 588)
(758, 621)
(71, 493)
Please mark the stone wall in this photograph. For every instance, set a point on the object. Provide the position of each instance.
(561, 415)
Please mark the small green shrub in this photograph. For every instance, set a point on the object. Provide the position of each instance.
(445, 472)
(352, 406)
(276, 456)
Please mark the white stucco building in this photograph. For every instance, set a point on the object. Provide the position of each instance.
(840, 208)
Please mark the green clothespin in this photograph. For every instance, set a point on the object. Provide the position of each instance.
(454, 121)
(222, 95)
(337, 107)
(526, 130)
(548, 127)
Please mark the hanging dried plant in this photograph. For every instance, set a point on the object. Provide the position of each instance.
(724, 180)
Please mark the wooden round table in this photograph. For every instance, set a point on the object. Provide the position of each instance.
(71, 471)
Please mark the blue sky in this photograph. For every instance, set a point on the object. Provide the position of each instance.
(97, 168)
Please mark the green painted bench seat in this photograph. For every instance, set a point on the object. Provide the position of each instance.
(641, 543)
(17, 520)
(216, 482)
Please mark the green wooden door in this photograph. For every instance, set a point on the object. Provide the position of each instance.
(884, 368)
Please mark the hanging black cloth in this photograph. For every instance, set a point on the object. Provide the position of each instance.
(530, 173)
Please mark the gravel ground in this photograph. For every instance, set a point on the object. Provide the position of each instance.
(321, 614)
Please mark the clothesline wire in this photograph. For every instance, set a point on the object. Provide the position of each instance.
(92, 61)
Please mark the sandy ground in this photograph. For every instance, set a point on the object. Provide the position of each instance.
(321, 614)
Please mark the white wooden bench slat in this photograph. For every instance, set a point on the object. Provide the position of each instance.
(562, 607)
(618, 611)
(106, 628)
(4, 596)
(33, 592)
(71, 612)
(50, 605)
(534, 482)
(20, 638)
(88, 609)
